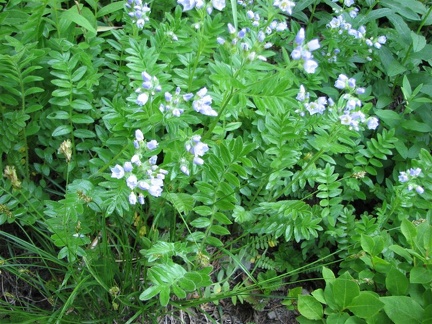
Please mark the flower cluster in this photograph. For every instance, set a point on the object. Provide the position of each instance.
(202, 103)
(351, 116)
(197, 148)
(244, 44)
(408, 177)
(142, 176)
(150, 85)
(214, 4)
(347, 3)
(341, 26)
(274, 25)
(245, 3)
(315, 107)
(304, 51)
(285, 6)
(173, 106)
(138, 12)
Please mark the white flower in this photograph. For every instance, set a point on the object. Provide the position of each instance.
(132, 198)
(117, 172)
(155, 191)
(184, 169)
(132, 181)
(142, 99)
(414, 172)
(341, 82)
(285, 5)
(310, 66)
(301, 96)
(141, 199)
(403, 177)
(372, 123)
(296, 54)
(313, 45)
(136, 160)
(153, 144)
(127, 166)
(419, 189)
(139, 136)
(143, 185)
(198, 161)
(187, 4)
(300, 37)
(202, 105)
(382, 39)
(218, 4)
(345, 119)
(199, 149)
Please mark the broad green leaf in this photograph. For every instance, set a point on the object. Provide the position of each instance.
(409, 231)
(214, 241)
(309, 307)
(203, 210)
(344, 291)
(73, 15)
(303, 320)
(421, 275)
(80, 104)
(427, 315)
(328, 275)
(381, 265)
(82, 119)
(416, 126)
(372, 245)
(341, 318)
(150, 292)
(201, 222)
(164, 295)
(112, 7)
(180, 293)
(402, 309)
(419, 42)
(219, 230)
(58, 115)
(366, 304)
(222, 218)
(389, 117)
(187, 284)
(401, 251)
(84, 133)
(374, 15)
(319, 295)
(396, 282)
(62, 130)
(232, 126)
(78, 74)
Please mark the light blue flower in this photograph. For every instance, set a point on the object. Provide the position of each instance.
(127, 166)
(284, 5)
(414, 172)
(117, 172)
(132, 181)
(153, 144)
(372, 123)
(142, 99)
(419, 190)
(403, 177)
(132, 198)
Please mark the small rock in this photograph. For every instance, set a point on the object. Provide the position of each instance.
(271, 315)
